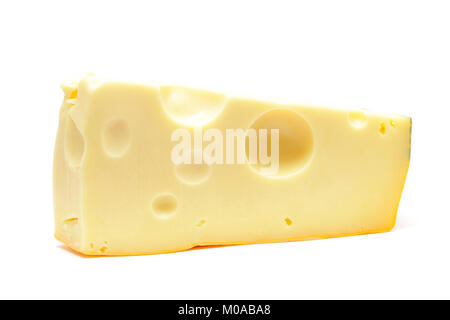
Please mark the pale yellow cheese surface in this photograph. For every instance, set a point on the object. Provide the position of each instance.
(117, 191)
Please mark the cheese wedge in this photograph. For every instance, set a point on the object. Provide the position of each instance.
(118, 190)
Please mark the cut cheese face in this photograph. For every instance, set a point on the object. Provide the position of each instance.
(119, 191)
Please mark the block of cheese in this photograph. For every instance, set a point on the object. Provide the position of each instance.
(119, 191)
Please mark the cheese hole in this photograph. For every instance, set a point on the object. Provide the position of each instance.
(288, 222)
(357, 119)
(382, 128)
(193, 174)
(74, 145)
(103, 249)
(393, 123)
(201, 223)
(71, 221)
(295, 143)
(192, 107)
(116, 137)
(74, 94)
(164, 205)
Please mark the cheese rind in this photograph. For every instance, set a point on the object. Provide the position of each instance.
(118, 192)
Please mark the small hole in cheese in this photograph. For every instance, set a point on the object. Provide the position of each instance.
(193, 174)
(357, 119)
(382, 129)
(164, 205)
(74, 94)
(116, 137)
(192, 107)
(71, 221)
(288, 221)
(74, 145)
(201, 223)
(393, 123)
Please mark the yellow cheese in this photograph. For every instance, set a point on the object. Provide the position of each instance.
(118, 190)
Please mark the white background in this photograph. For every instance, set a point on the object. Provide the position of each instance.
(391, 56)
